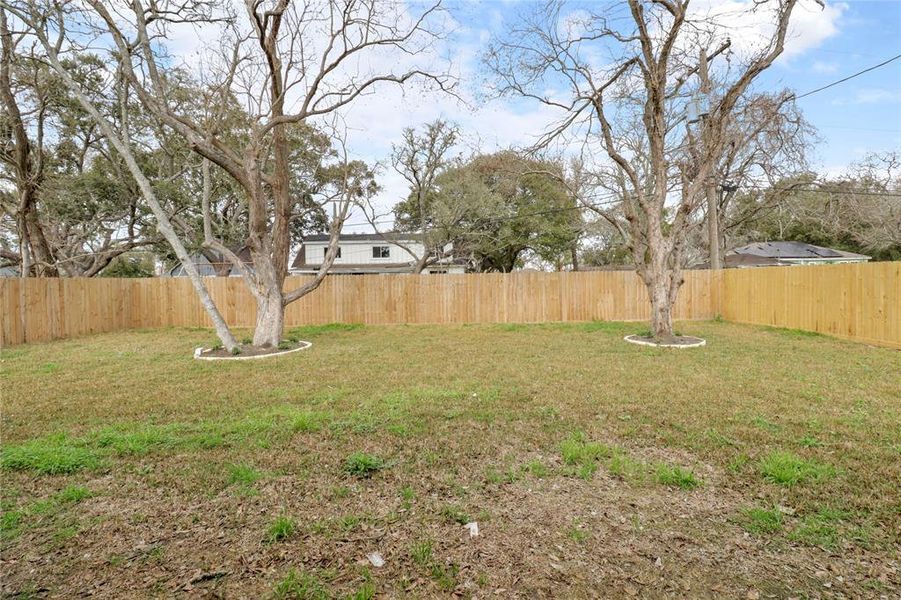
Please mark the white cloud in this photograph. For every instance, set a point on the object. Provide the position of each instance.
(751, 28)
(824, 67)
(870, 96)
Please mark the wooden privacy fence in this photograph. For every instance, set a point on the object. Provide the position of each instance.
(853, 301)
(43, 309)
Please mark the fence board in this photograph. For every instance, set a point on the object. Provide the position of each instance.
(860, 302)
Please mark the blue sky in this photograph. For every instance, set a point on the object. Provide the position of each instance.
(863, 114)
(852, 119)
(860, 116)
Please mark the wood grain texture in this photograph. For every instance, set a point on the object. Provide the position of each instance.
(859, 302)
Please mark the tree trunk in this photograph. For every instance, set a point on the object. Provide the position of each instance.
(270, 320)
(164, 225)
(661, 308)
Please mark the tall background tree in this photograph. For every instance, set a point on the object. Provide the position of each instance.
(286, 65)
(631, 105)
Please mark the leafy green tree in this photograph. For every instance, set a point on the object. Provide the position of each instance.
(495, 208)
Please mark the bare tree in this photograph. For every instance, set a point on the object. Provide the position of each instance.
(420, 158)
(285, 64)
(624, 82)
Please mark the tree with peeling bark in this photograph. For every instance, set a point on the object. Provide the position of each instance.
(286, 64)
(624, 84)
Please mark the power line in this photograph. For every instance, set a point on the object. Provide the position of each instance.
(614, 199)
(844, 79)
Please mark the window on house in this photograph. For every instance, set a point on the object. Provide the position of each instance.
(381, 251)
(325, 251)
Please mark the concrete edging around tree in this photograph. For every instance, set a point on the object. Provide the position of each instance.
(197, 353)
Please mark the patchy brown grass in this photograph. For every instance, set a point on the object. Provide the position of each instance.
(764, 463)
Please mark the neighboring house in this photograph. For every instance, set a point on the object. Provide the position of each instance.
(216, 268)
(362, 253)
(9, 271)
(776, 254)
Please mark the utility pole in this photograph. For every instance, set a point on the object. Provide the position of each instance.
(713, 225)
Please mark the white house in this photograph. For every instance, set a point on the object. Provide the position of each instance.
(361, 253)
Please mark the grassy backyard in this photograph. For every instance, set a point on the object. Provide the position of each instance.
(763, 465)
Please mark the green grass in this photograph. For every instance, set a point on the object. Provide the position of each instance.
(54, 455)
(282, 528)
(243, 475)
(677, 477)
(455, 514)
(570, 441)
(421, 553)
(361, 464)
(786, 468)
(297, 585)
(761, 520)
(582, 454)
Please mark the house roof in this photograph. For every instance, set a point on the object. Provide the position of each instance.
(365, 237)
(206, 268)
(735, 261)
(794, 250)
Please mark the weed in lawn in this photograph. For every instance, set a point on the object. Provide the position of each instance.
(577, 533)
(339, 492)
(349, 522)
(577, 451)
(407, 495)
(445, 575)
(455, 514)
(808, 441)
(308, 421)
(10, 521)
(52, 455)
(738, 463)
(421, 553)
(761, 520)
(72, 494)
(244, 477)
(300, 586)
(536, 469)
(136, 442)
(48, 368)
(361, 464)
(789, 469)
(65, 533)
(816, 531)
(825, 527)
(624, 467)
(764, 424)
(280, 529)
(365, 592)
(719, 439)
(675, 476)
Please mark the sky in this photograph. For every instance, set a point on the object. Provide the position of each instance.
(825, 44)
